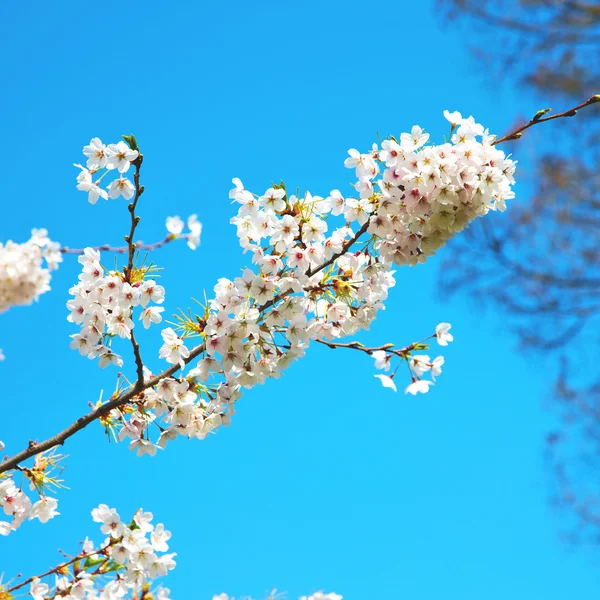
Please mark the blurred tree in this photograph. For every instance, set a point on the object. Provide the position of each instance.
(541, 262)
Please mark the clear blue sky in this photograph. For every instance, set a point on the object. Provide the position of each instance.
(325, 480)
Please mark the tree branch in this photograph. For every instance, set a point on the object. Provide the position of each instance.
(59, 567)
(389, 348)
(517, 133)
(312, 272)
(59, 439)
(139, 190)
(124, 249)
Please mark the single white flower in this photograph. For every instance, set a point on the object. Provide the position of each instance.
(382, 359)
(151, 314)
(436, 367)
(174, 225)
(441, 332)
(96, 153)
(120, 156)
(455, 118)
(38, 590)
(44, 509)
(386, 381)
(121, 187)
(419, 386)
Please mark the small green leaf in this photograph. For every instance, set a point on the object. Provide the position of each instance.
(90, 561)
(130, 139)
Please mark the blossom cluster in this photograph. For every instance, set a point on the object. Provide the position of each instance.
(126, 562)
(313, 279)
(316, 281)
(23, 276)
(112, 158)
(18, 505)
(103, 306)
(260, 322)
(428, 193)
(39, 478)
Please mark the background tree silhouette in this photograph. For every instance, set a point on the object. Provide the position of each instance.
(541, 263)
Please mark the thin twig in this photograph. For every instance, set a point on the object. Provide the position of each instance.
(125, 249)
(343, 251)
(539, 118)
(56, 569)
(312, 272)
(139, 363)
(139, 190)
(389, 348)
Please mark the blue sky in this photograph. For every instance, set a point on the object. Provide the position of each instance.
(325, 480)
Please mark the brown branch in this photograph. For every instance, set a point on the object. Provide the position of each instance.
(401, 352)
(128, 272)
(139, 363)
(139, 190)
(517, 133)
(59, 439)
(312, 272)
(343, 251)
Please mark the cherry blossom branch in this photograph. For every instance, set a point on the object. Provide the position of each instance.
(125, 249)
(128, 272)
(322, 266)
(139, 363)
(540, 118)
(134, 554)
(59, 567)
(389, 348)
(343, 251)
(139, 190)
(59, 439)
